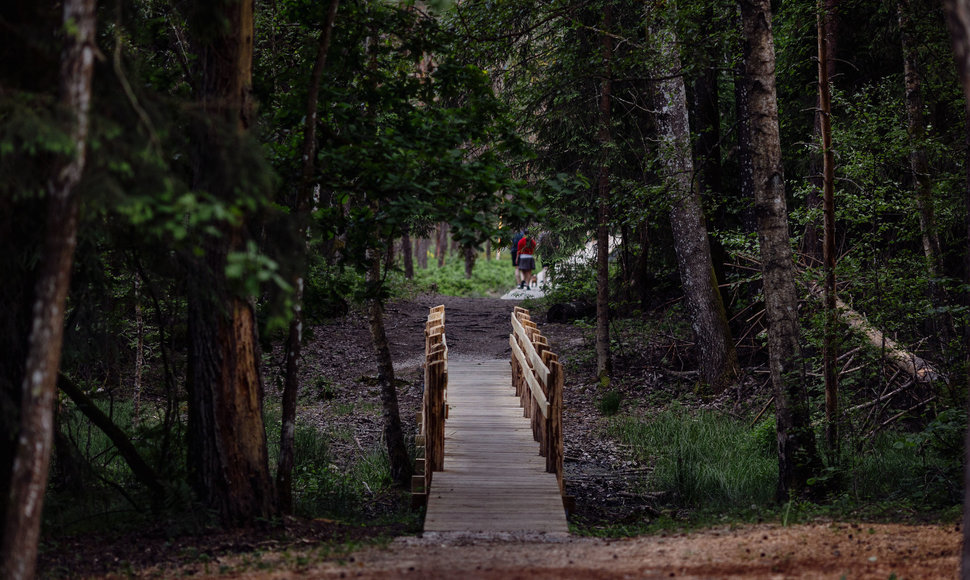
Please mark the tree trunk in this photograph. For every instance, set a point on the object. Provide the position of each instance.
(407, 254)
(830, 351)
(302, 205)
(139, 353)
(958, 21)
(28, 482)
(705, 116)
(604, 362)
(126, 449)
(441, 245)
(813, 241)
(393, 431)
(716, 355)
(470, 255)
(917, 132)
(641, 268)
(797, 455)
(228, 458)
(744, 116)
(421, 249)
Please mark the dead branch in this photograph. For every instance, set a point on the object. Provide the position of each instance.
(897, 416)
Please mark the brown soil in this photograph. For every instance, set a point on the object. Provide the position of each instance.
(603, 478)
(755, 552)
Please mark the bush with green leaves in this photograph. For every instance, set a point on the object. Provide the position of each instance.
(924, 468)
(490, 278)
(609, 403)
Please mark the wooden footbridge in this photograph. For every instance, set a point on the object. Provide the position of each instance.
(490, 448)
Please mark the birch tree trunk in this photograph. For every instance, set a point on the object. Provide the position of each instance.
(228, 456)
(604, 359)
(31, 462)
(715, 348)
(303, 202)
(797, 454)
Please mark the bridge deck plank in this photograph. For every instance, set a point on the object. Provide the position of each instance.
(494, 479)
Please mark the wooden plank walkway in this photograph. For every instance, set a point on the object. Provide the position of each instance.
(494, 478)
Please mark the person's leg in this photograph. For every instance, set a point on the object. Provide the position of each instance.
(518, 273)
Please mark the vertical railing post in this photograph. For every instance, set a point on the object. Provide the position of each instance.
(430, 439)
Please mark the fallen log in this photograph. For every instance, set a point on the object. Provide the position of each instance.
(914, 366)
(139, 467)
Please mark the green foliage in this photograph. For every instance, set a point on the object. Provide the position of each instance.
(609, 403)
(322, 489)
(490, 278)
(91, 486)
(701, 460)
(765, 436)
(572, 282)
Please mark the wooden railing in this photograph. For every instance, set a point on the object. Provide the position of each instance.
(538, 380)
(430, 439)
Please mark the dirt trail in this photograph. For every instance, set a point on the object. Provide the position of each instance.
(854, 551)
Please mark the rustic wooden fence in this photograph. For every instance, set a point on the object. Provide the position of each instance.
(430, 439)
(538, 379)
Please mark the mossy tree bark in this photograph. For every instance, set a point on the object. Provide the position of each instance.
(798, 458)
(716, 354)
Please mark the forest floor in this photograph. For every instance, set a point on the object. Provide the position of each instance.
(601, 474)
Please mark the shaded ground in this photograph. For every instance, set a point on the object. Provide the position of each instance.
(756, 552)
(340, 397)
(833, 550)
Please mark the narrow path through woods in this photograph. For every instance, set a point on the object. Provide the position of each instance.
(599, 475)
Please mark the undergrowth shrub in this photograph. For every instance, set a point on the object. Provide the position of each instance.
(609, 403)
(326, 489)
(922, 469)
(703, 459)
(92, 486)
(489, 278)
(572, 282)
(321, 487)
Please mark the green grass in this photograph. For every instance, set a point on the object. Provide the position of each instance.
(701, 460)
(711, 469)
(323, 489)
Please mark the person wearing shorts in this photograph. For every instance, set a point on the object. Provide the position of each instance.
(526, 260)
